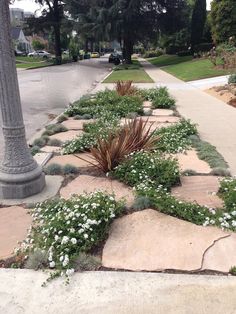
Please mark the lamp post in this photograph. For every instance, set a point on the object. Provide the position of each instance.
(20, 175)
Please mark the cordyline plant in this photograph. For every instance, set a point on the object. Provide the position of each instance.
(125, 88)
(135, 135)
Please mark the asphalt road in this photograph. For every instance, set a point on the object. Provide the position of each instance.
(46, 92)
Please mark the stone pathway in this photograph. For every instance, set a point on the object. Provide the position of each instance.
(189, 161)
(151, 241)
(66, 136)
(199, 189)
(215, 119)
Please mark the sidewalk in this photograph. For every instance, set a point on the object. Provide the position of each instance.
(216, 120)
(116, 292)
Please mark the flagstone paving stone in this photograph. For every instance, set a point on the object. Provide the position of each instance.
(66, 136)
(199, 189)
(149, 240)
(222, 255)
(89, 184)
(14, 224)
(42, 158)
(73, 160)
(162, 112)
(189, 160)
(72, 124)
(51, 149)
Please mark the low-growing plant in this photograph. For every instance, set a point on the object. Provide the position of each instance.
(35, 150)
(80, 144)
(87, 262)
(54, 128)
(53, 169)
(232, 270)
(66, 228)
(154, 93)
(232, 79)
(54, 142)
(83, 117)
(208, 152)
(40, 142)
(125, 88)
(70, 169)
(163, 102)
(37, 259)
(149, 167)
(133, 136)
(141, 202)
(222, 172)
(62, 118)
(175, 138)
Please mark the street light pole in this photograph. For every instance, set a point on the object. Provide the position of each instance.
(20, 175)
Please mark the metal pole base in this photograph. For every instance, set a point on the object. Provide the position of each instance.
(19, 186)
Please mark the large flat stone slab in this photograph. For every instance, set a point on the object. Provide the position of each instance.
(14, 225)
(79, 161)
(151, 241)
(51, 149)
(199, 189)
(189, 160)
(222, 255)
(88, 184)
(66, 136)
(42, 158)
(162, 112)
(53, 184)
(72, 124)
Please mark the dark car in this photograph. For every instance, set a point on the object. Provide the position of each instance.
(115, 58)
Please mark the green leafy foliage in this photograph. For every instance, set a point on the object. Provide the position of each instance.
(232, 79)
(175, 138)
(66, 228)
(148, 167)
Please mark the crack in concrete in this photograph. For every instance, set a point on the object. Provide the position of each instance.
(211, 246)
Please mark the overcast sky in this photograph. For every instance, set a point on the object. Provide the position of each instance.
(30, 5)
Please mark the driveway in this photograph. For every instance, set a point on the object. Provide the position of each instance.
(46, 92)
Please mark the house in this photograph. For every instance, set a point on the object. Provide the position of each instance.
(19, 40)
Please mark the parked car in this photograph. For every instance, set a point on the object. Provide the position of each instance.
(19, 53)
(115, 58)
(39, 53)
(95, 55)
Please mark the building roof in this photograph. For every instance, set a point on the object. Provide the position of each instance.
(15, 32)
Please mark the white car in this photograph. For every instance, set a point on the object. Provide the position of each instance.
(39, 53)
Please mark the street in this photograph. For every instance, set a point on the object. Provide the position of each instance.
(46, 92)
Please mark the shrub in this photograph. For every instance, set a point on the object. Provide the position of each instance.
(153, 53)
(34, 150)
(80, 144)
(54, 142)
(40, 142)
(175, 138)
(54, 128)
(70, 169)
(184, 53)
(164, 102)
(62, 118)
(208, 153)
(125, 88)
(148, 167)
(53, 169)
(133, 136)
(232, 79)
(37, 259)
(66, 228)
(154, 93)
(142, 202)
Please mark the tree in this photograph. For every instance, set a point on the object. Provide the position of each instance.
(37, 44)
(223, 20)
(198, 22)
(53, 15)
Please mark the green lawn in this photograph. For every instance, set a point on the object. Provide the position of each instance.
(125, 72)
(33, 65)
(29, 59)
(187, 68)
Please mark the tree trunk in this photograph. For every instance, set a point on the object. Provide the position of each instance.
(57, 32)
(128, 50)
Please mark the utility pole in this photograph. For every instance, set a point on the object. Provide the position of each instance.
(20, 175)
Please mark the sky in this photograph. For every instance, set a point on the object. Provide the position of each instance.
(30, 5)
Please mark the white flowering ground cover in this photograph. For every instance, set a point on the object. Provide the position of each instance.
(65, 228)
